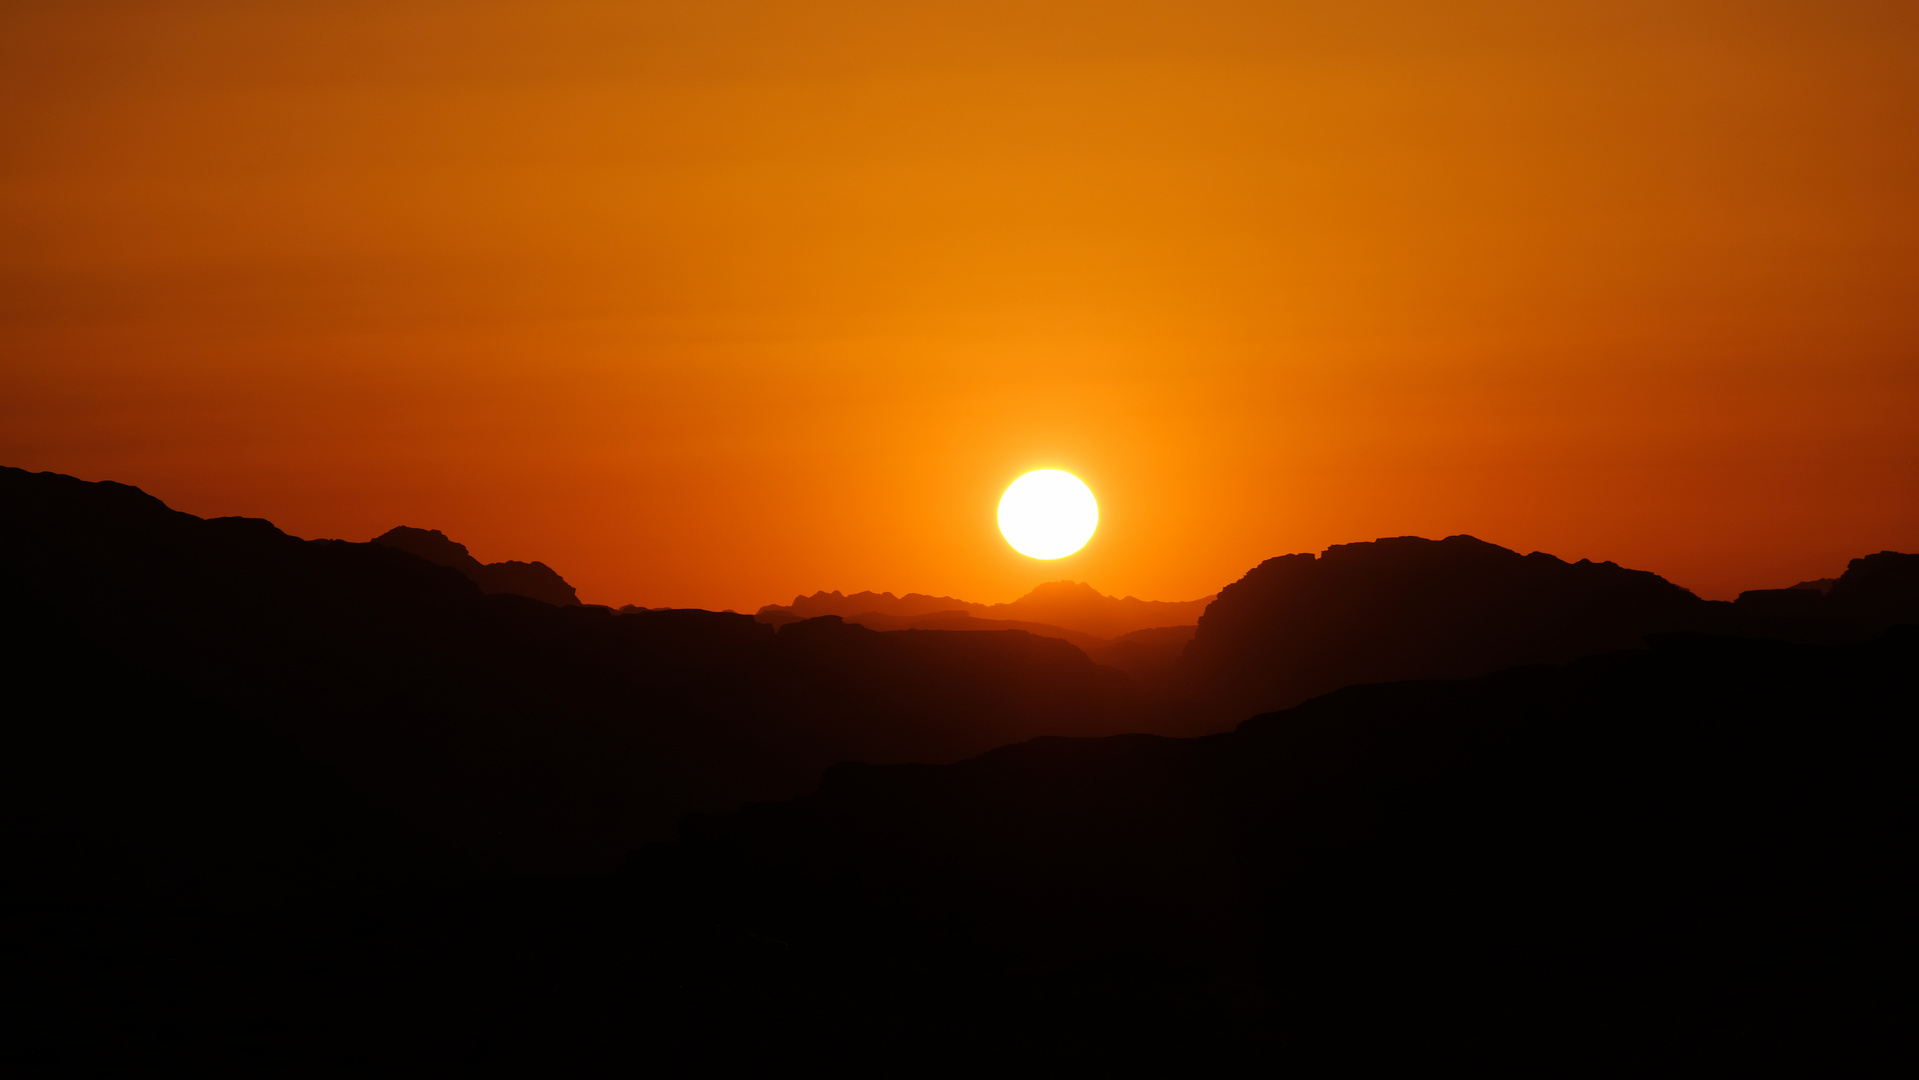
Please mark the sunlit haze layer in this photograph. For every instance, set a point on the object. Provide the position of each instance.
(713, 304)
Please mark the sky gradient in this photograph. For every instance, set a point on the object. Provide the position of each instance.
(711, 304)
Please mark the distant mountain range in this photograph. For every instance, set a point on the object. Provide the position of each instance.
(960, 621)
(1068, 605)
(1302, 625)
(1495, 804)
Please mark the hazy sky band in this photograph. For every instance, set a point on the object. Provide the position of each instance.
(715, 304)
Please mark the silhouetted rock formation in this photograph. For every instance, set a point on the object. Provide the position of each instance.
(1063, 604)
(1408, 608)
(1875, 592)
(535, 580)
(217, 709)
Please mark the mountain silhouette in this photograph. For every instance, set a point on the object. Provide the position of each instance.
(1150, 656)
(1078, 606)
(536, 579)
(214, 708)
(863, 603)
(1876, 591)
(334, 802)
(1067, 605)
(1409, 608)
(1395, 608)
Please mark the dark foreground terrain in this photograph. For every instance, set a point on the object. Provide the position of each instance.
(1689, 857)
(313, 806)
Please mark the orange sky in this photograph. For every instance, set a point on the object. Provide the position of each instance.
(712, 303)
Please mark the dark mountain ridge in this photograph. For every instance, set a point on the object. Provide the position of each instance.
(305, 685)
(1298, 626)
(1399, 608)
(1876, 590)
(535, 579)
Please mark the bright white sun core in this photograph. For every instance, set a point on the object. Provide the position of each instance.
(1048, 514)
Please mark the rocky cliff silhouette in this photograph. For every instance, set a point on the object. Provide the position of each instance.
(1409, 608)
(1875, 591)
(535, 579)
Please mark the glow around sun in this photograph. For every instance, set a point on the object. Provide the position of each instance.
(1048, 514)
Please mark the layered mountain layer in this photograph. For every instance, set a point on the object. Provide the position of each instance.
(1068, 605)
(215, 707)
(1515, 805)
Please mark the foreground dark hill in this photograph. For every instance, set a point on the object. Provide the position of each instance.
(1688, 859)
(1689, 856)
(214, 708)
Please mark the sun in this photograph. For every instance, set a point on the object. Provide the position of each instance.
(1048, 514)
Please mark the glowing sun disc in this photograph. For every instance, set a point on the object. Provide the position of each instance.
(1048, 514)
